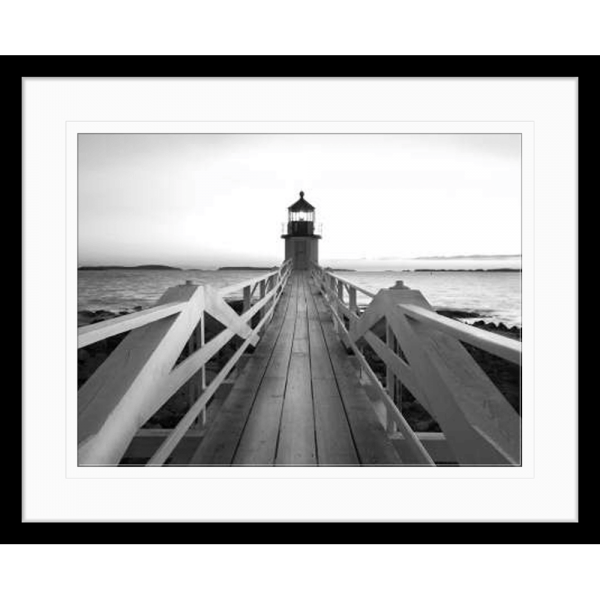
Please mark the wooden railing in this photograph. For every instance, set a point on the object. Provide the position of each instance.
(423, 352)
(142, 373)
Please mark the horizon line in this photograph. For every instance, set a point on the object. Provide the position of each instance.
(95, 264)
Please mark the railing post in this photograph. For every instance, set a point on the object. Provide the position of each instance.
(338, 294)
(340, 291)
(393, 384)
(272, 284)
(263, 292)
(329, 295)
(398, 393)
(191, 347)
(193, 387)
(390, 378)
(340, 312)
(267, 288)
(203, 369)
(197, 383)
(247, 302)
(352, 300)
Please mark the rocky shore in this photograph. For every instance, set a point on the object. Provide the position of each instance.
(506, 376)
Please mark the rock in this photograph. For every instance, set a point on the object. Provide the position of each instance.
(457, 314)
(85, 317)
(104, 315)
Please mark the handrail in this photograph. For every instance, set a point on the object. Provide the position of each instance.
(234, 287)
(140, 375)
(493, 343)
(422, 350)
(349, 283)
(90, 334)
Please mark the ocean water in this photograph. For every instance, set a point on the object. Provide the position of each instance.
(116, 289)
(495, 296)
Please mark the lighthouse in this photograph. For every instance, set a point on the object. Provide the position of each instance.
(301, 241)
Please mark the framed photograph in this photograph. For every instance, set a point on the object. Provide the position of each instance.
(300, 299)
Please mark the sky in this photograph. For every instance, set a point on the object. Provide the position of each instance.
(211, 200)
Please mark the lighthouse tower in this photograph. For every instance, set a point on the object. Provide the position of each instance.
(301, 241)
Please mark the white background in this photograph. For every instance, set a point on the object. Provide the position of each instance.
(548, 495)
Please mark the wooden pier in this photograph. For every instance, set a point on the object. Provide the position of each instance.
(298, 400)
(306, 395)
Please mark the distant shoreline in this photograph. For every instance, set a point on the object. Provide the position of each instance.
(432, 270)
(247, 268)
(137, 268)
(501, 270)
(471, 257)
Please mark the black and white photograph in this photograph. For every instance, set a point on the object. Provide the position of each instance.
(299, 299)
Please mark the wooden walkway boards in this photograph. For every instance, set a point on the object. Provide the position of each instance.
(298, 400)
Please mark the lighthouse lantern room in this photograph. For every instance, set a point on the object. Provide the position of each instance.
(301, 241)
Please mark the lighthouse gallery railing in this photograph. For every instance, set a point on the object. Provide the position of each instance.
(423, 351)
(141, 374)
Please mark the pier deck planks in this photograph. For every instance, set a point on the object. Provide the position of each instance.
(298, 400)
